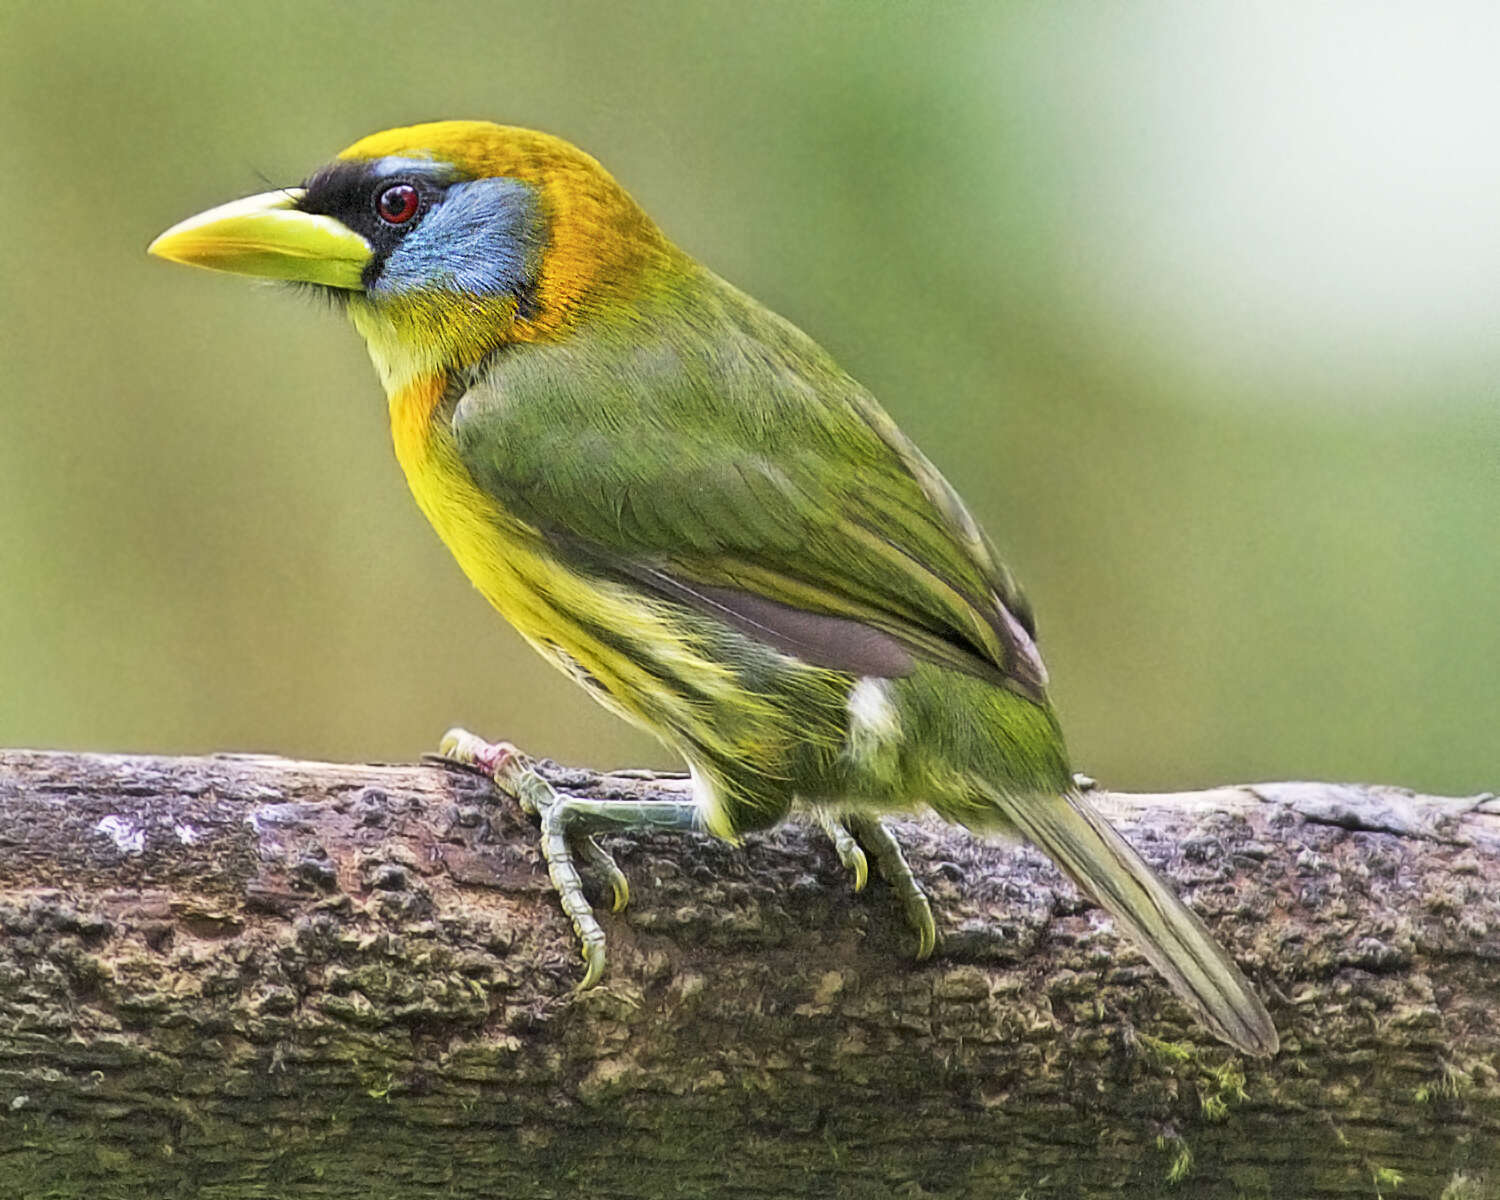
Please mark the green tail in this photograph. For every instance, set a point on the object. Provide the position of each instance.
(1175, 941)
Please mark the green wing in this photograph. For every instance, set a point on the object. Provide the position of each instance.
(711, 452)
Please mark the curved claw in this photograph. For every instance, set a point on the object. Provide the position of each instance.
(602, 861)
(594, 962)
(919, 917)
(848, 850)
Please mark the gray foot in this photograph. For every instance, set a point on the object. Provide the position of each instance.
(846, 831)
(569, 824)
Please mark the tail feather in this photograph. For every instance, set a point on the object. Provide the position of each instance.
(1174, 940)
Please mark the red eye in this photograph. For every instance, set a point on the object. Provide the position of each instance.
(398, 204)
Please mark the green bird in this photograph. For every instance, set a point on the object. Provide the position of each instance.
(684, 503)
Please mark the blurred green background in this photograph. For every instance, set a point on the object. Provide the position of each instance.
(1197, 306)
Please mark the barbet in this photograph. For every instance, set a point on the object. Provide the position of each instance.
(683, 502)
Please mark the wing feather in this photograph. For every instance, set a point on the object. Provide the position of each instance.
(714, 454)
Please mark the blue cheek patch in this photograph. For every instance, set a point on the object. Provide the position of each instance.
(482, 238)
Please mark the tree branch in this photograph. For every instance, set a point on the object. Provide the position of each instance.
(250, 977)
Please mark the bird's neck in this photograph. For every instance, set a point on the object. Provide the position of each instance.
(424, 338)
(415, 421)
(419, 342)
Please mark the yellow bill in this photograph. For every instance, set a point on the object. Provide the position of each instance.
(265, 235)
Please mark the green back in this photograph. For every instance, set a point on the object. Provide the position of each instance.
(702, 447)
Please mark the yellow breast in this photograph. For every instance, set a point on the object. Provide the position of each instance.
(553, 607)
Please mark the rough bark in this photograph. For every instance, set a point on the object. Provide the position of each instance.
(249, 977)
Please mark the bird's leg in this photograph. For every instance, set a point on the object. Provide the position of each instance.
(894, 869)
(569, 821)
(576, 817)
(513, 774)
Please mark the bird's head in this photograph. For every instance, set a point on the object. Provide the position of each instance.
(445, 241)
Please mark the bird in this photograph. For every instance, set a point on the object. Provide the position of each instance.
(679, 499)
